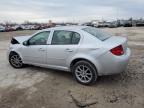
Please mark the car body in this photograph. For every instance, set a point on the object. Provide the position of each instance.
(2, 28)
(9, 29)
(66, 48)
(17, 27)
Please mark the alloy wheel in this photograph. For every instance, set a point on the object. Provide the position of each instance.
(83, 73)
(16, 61)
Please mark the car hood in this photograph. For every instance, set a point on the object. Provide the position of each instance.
(21, 39)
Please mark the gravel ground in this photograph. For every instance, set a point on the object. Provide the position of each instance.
(35, 87)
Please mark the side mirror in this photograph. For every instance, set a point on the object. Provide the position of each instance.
(26, 43)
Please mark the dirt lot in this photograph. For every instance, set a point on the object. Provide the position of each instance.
(34, 87)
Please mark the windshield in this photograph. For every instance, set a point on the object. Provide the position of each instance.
(97, 33)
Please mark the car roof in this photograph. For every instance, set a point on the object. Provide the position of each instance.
(66, 28)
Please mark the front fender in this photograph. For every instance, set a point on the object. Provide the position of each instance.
(16, 49)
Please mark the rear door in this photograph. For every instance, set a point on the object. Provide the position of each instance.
(63, 45)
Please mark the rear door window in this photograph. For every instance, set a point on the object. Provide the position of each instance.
(61, 37)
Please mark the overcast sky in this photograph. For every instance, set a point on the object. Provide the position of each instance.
(69, 10)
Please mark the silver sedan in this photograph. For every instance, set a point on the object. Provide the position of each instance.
(87, 52)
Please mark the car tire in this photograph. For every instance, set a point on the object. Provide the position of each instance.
(85, 72)
(15, 60)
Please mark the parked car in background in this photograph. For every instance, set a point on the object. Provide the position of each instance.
(85, 51)
(32, 27)
(9, 29)
(140, 24)
(26, 27)
(17, 27)
(113, 24)
(103, 24)
(2, 28)
(37, 27)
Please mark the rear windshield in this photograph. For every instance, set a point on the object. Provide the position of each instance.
(97, 33)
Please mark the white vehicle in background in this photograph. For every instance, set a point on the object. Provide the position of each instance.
(32, 27)
(27, 27)
(2, 28)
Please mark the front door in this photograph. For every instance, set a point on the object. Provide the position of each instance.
(36, 50)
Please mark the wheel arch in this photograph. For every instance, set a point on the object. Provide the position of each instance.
(84, 59)
(15, 52)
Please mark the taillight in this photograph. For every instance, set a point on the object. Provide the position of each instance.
(117, 50)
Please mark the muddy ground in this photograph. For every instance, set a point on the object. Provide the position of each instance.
(35, 87)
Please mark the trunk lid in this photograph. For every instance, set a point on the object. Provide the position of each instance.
(115, 41)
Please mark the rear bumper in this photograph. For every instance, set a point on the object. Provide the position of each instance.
(111, 64)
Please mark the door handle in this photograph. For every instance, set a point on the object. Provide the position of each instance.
(69, 50)
(41, 49)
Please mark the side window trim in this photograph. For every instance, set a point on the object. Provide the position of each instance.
(52, 35)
